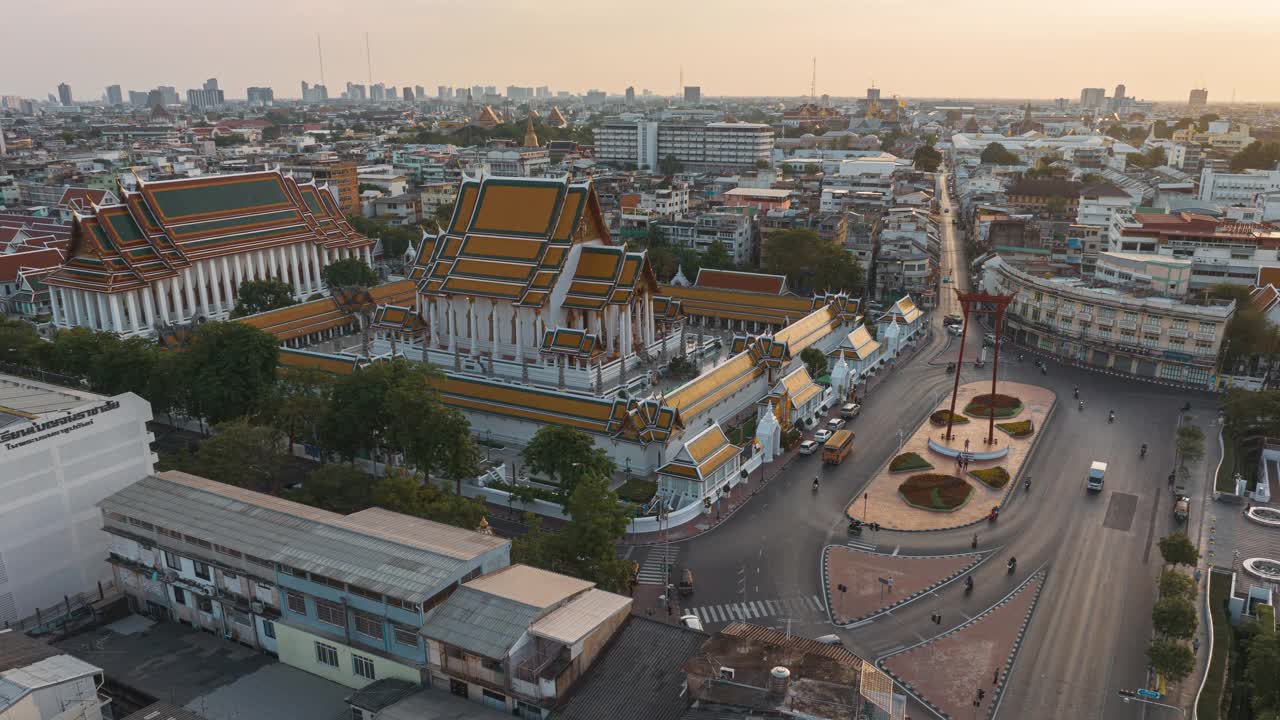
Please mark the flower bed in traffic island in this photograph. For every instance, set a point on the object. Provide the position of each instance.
(936, 492)
(909, 461)
(1022, 428)
(1005, 406)
(993, 477)
(939, 418)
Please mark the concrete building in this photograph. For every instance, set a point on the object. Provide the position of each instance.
(339, 176)
(697, 147)
(733, 229)
(261, 97)
(1237, 188)
(1198, 99)
(1220, 251)
(114, 95)
(61, 451)
(1145, 336)
(340, 596)
(64, 95)
(692, 95)
(39, 682)
(1093, 98)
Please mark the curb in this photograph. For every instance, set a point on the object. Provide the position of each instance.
(979, 559)
(1067, 362)
(998, 692)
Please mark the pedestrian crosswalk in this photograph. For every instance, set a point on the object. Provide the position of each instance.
(655, 568)
(859, 545)
(800, 606)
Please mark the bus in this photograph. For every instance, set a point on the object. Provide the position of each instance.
(837, 447)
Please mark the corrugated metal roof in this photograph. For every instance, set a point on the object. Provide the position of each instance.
(529, 585)
(479, 623)
(289, 533)
(571, 622)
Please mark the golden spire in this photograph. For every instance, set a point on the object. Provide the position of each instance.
(530, 137)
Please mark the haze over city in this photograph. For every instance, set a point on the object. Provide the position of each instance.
(933, 48)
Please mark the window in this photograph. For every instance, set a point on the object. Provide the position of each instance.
(226, 551)
(297, 603)
(1177, 344)
(269, 629)
(405, 636)
(172, 560)
(229, 576)
(139, 523)
(405, 604)
(362, 666)
(357, 590)
(258, 561)
(169, 533)
(367, 624)
(202, 570)
(198, 542)
(1180, 324)
(287, 570)
(179, 596)
(330, 613)
(321, 579)
(326, 654)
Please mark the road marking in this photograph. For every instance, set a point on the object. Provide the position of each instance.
(818, 601)
(861, 546)
(760, 608)
(896, 549)
(860, 623)
(773, 607)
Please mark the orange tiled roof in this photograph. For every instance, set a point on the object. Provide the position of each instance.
(741, 281)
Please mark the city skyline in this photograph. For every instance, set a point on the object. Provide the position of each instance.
(1005, 52)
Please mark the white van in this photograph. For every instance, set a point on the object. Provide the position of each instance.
(1097, 474)
(691, 621)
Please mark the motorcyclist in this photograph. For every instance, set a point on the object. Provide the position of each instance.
(1077, 391)
(1013, 564)
(968, 583)
(1082, 405)
(1144, 449)
(1111, 416)
(815, 482)
(1026, 484)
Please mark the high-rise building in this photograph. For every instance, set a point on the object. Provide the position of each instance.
(64, 94)
(542, 91)
(378, 92)
(477, 92)
(406, 93)
(114, 95)
(444, 92)
(260, 96)
(355, 93)
(596, 98)
(419, 92)
(211, 84)
(156, 98)
(207, 97)
(168, 94)
(696, 146)
(306, 91)
(1093, 98)
(138, 99)
(1198, 100)
(1118, 99)
(320, 92)
(631, 95)
(873, 95)
(692, 94)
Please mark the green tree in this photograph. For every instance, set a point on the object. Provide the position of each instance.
(442, 215)
(1171, 658)
(815, 361)
(300, 402)
(349, 272)
(255, 296)
(536, 546)
(809, 262)
(434, 438)
(588, 542)
(1177, 549)
(359, 419)
(717, 256)
(1177, 584)
(1174, 617)
(20, 343)
(567, 456)
(238, 453)
(1257, 156)
(402, 492)
(336, 487)
(1154, 157)
(1263, 670)
(1056, 205)
(997, 154)
(1190, 444)
(231, 368)
(669, 165)
(1207, 118)
(927, 158)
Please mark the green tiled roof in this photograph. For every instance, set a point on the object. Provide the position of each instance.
(124, 226)
(240, 195)
(234, 222)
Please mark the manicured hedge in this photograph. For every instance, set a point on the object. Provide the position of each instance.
(993, 477)
(909, 461)
(939, 418)
(637, 490)
(936, 492)
(1005, 406)
(1211, 695)
(1022, 428)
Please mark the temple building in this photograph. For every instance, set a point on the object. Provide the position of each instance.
(176, 251)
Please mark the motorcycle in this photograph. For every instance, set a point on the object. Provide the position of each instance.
(1081, 406)
(1013, 565)
(1111, 417)
(1044, 370)
(968, 584)
(994, 514)
(815, 484)
(855, 527)
(1143, 452)
(1077, 392)
(1026, 485)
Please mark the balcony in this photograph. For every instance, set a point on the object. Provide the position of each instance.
(1209, 335)
(1152, 328)
(1106, 321)
(1066, 312)
(1128, 324)
(1178, 332)
(1085, 316)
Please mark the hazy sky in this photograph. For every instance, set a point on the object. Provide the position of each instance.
(925, 48)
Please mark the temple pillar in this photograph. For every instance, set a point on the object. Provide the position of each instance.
(77, 298)
(188, 282)
(226, 283)
(314, 254)
(55, 307)
(117, 323)
(473, 327)
(135, 318)
(148, 309)
(203, 287)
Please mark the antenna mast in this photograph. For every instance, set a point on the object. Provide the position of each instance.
(813, 82)
(680, 88)
(320, 52)
(368, 59)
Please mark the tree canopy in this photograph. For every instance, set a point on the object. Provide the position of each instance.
(586, 546)
(811, 263)
(1257, 156)
(239, 453)
(349, 272)
(255, 296)
(1177, 549)
(231, 368)
(927, 158)
(997, 154)
(815, 361)
(567, 456)
(1153, 157)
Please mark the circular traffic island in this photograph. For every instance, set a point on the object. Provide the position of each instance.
(935, 492)
(1006, 406)
(993, 477)
(939, 418)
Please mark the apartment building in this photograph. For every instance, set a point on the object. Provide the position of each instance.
(1223, 188)
(339, 596)
(341, 175)
(698, 147)
(1220, 251)
(61, 451)
(40, 682)
(733, 229)
(516, 640)
(1146, 336)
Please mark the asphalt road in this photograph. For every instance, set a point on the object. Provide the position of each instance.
(1088, 637)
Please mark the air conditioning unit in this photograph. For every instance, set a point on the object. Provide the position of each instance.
(726, 673)
(256, 606)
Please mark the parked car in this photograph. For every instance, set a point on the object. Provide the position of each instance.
(955, 329)
(686, 582)
(836, 423)
(691, 621)
(822, 436)
(952, 320)
(808, 447)
(829, 640)
(849, 411)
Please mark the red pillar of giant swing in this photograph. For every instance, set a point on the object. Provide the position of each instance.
(955, 389)
(995, 368)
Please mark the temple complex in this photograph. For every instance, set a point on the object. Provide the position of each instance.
(177, 251)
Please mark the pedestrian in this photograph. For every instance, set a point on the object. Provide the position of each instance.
(1195, 644)
(974, 544)
(995, 677)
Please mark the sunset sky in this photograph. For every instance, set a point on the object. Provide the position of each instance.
(927, 48)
